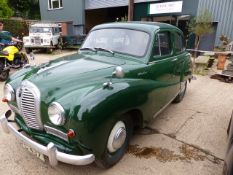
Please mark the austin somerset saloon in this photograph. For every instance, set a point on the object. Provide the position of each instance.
(83, 108)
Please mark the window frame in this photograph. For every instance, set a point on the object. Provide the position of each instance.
(138, 57)
(50, 4)
(160, 56)
(175, 34)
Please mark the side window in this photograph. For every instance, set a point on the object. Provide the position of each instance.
(156, 47)
(53, 31)
(162, 45)
(179, 43)
(56, 30)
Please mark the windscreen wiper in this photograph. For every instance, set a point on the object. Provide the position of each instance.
(103, 49)
(88, 48)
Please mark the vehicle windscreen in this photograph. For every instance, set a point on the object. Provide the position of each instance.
(126, 41)
(40, 30)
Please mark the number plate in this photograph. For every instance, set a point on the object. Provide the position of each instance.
(34, 152)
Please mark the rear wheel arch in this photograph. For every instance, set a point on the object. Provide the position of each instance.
(185, 69)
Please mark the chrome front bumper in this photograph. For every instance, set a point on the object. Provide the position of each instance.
(50, 150)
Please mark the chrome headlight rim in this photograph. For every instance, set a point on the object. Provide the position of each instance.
(9, 92)
(58, 118)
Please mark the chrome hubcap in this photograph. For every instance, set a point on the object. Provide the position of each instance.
(117, 137)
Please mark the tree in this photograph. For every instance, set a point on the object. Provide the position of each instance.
(26, 8)
(5, 10)
(200, 26)
(34, 11)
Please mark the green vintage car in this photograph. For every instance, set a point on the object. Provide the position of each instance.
(83, 108)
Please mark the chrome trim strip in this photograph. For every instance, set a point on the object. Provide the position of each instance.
(14, 108)
(51, 67)
(50, 150)
(56, 133)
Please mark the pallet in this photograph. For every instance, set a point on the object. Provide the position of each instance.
(223, 77)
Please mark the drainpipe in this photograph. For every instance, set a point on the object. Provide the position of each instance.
(130, 10)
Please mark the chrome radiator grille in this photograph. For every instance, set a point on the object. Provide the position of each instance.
(28, 99)
(37, 40)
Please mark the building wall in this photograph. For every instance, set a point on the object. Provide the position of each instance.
(73, 10)
(142, 9)
(222, 12)
(96, 4)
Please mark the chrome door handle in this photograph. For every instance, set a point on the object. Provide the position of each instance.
(175, 59)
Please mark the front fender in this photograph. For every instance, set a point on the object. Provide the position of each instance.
(93, 116)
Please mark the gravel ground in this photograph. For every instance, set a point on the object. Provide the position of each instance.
(187, 138)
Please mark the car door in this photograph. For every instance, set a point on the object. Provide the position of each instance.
(161, 70)
(180, 54)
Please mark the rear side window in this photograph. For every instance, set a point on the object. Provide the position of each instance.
(162, 45)
(179, 43)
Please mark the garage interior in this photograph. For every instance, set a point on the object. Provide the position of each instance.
(98, 16)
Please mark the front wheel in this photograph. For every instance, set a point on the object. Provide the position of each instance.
(28, 50)
(180, 96)
(118, 142)
(24, 59)
(4, 74)
(49, 50)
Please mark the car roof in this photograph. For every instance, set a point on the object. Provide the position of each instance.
(138, 25)
(45, 25)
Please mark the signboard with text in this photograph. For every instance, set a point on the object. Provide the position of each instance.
(166, 7)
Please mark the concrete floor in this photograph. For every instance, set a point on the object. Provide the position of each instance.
(187, 138)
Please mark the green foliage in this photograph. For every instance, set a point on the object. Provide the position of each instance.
(5, 10)
(19, 5)
(122, 19)
(26, 8)
(224, 42)
(201, 25)
(34, 12)
(16, 27)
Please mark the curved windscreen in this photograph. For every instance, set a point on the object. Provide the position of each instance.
(132, 42)
(40, 30)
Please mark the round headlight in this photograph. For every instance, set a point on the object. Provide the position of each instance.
(56, 114)
(9, 93)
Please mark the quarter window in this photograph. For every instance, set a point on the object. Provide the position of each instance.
(162, 45)
(55, 4)
(179, 43)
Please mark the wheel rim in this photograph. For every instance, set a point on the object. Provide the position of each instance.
(117, 137)
(3, 75)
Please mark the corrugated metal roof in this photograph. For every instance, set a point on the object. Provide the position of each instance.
(222, 11)
(96, 4)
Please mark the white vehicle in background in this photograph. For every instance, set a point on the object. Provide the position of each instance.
(43, 36)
